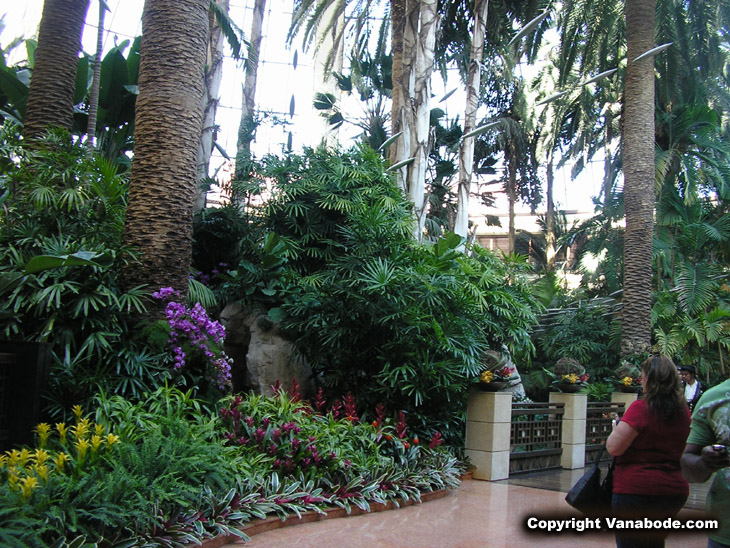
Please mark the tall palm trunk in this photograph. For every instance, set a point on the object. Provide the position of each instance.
(413, 60)
(168, 121)
(512, 197)
(427, 18)
(247, 127)
(53, 83)
(399, 96)
(466, 150)
(550, 213)
(213, 77)
(638, 168)
(96, 80)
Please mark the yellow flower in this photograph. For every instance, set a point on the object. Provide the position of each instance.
(3, 460)
(60, 460)
(111, 439)
(78, 411)
(82, 446)
(13, 478)
(23, 456)
(571, 378)
(99, 429)
(40, 456)
(80, 429)
(95, 443)
(13, 457)
(486, 376)
(43, 430)
(62, 429)
(41, 471)
(626, 381)
(27, 485)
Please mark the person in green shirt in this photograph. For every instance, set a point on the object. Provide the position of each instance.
(707, 452)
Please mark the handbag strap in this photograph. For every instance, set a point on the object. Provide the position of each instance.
(599, 455)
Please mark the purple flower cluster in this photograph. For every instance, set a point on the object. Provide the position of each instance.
(193, 330)
(208, 279)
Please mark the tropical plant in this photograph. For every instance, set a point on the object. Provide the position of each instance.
(584, 332)
(373, 313)
(60, 240)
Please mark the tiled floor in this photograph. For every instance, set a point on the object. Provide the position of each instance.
(479, 514)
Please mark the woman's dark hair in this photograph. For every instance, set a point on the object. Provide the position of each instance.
(663, 392)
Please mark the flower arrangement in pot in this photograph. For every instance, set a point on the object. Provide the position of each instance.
(628, 377)
(568, 375)
(498, 374)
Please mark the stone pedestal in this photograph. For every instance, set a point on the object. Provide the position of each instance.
(627, 398)
(488, 419)
(574, 428)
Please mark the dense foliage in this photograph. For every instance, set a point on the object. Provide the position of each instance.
(374, 313)
(60, 250)
(163, 472)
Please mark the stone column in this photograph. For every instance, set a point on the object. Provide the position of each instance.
(488, 419)
(574, 428)
(627, 398)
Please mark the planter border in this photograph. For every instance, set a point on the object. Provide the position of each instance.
(258, 526)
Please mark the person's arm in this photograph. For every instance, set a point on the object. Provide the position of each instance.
(620, 439)
(698, 463)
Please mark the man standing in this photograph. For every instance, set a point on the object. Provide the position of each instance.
(706, 452)
(693, 388)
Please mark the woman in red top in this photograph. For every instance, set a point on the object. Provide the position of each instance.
(647, 445)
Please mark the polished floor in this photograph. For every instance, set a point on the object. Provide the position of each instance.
(479, 514)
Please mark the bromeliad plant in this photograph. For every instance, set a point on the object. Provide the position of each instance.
(346, 461)
(163, 471)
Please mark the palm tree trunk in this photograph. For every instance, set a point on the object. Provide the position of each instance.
(427, 18)
(247, 127)
(168, 122)
(550, 214)
(397, 18)
(53, 83)
(96, 80)
(639, 171)
(405, 30)
(466, 149)
(213, 77)
(512, 195)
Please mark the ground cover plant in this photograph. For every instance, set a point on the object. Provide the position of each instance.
(163, 471)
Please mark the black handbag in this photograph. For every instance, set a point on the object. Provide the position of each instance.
(590, 495)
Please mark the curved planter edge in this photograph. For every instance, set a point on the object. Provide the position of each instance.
(258, 526)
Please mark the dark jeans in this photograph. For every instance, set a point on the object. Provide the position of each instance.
(644, 506)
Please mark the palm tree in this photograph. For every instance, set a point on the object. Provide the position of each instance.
(213, 77)
(411, 102)
(96, 79)
(168, 121)
(247, 125)
(638, 164)
(52, 86)
(466, 147)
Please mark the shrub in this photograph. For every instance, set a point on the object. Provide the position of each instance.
(375, 313)
(62, 205)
